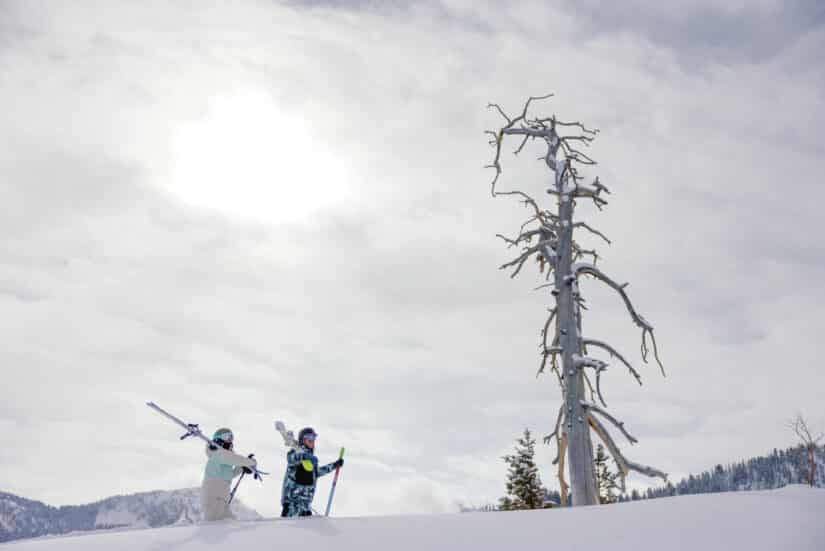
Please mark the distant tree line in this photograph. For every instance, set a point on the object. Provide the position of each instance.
(778, 469)
(775, 470)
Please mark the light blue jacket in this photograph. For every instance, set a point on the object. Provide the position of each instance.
(222, 466)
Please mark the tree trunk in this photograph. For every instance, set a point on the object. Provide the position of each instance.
(813, 466)
(579, 446)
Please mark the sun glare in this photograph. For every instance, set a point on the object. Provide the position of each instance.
(249, 159)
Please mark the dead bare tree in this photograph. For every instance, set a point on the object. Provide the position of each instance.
(547, 236)
(800, 428)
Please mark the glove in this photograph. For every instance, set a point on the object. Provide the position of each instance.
(247, 470)
(338, 464)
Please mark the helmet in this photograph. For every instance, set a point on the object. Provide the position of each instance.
(307, 431)
(223, 437)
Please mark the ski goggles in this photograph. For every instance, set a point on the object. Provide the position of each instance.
(225, 436)
(311, 437)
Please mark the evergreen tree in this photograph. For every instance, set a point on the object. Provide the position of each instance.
(605, 480)
(524, 489)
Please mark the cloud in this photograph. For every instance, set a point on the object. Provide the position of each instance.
(708, 32)
(380, 319)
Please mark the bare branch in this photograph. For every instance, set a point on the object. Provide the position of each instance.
(625, 466)
(599, 186)
(574, 154)
(614, 354)
(647, 329)
(563, 487)
(583, 128)
(590, 193)
(523, 236)
(496, 164)
(580, 253)
(520, 147)
(598, 366)
(498, 137)
(585, 361)
(591, 230)
(522, 258)
(528, 102)
(501, 112)
(547, 351)
(620, 460)
(599, 387)
(620, 425)
(801, 429)
(645, 334)
(526, 198)
(590, 386)
(555, 433)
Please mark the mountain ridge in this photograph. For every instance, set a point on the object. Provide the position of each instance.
(21, 517)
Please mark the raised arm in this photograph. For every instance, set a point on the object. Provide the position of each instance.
(231, 458)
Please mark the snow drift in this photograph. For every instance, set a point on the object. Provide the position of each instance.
(790, 519)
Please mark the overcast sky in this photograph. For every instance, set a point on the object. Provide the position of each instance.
(249, 211)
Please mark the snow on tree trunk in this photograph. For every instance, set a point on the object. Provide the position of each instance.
(579, 447)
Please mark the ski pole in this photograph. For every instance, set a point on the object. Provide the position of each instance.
(235, 489)
(238, 483)
(334, 483)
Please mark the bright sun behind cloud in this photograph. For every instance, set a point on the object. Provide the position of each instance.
(249, 159)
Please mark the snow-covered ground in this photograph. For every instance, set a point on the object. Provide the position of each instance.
(788, 519)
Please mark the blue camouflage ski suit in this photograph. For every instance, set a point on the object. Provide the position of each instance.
(302, 472)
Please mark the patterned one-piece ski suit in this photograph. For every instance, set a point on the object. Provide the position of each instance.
(302, 472)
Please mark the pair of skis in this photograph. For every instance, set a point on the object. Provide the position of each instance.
(291, 442)
(192, 429)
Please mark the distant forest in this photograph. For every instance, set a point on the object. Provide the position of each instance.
(780, 468)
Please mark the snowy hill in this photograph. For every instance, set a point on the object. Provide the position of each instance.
(24, 518)
(789, 519)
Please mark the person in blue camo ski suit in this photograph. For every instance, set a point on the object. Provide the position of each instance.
(302, 472)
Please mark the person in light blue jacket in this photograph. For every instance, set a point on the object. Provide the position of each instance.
(221, 467)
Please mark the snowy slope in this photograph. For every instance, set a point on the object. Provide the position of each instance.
(789, 519)
(25, 518)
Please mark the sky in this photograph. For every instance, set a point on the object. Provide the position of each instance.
(248, 211)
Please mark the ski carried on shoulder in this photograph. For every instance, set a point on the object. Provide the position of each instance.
(287, 435)
(192, 429)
